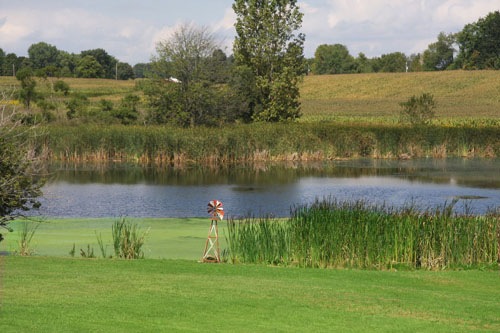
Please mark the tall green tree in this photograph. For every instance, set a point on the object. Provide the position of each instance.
(27, 94)
(124, 71)
(107, 62)
(184, 92)
(415, 62)
(269, 58)
(391, 62)
(89, 67)
(141, 70)
(43, 55)
(439, 55)
(362, 64)
(10, 64)
(2, 61)
(333, 59)
(67, 63)
(479, 46)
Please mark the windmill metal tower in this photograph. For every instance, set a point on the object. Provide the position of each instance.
(212, 251)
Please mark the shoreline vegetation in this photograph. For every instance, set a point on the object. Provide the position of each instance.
(263, 142)
(333, 234)
(343, 117)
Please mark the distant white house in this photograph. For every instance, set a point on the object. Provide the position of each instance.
(174, 80)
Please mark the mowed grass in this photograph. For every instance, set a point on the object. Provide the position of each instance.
(53, 294)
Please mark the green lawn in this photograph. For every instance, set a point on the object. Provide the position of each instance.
(53, 292)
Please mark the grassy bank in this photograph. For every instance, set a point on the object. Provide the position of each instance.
(261, 142)
(81, 295)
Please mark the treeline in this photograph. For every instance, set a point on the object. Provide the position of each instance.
(476, 46)
(47, 61)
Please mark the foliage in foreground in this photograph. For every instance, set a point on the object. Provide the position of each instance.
(20, 186)
(329, 233)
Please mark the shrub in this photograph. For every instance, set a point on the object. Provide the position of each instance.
(26, 234)
(127, 241)
(61, 86)
(418, 110)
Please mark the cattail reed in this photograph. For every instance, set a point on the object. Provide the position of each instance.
(328, 233)
(263, 142)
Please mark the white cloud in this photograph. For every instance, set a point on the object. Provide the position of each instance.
(227, 22)
(382, 26)
(456, 12)
(12, 31)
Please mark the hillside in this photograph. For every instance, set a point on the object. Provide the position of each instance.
(370, 97)
(459, 94)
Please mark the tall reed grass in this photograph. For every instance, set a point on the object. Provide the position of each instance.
(127, 240)
(26, 234)
(261, 240)
(264, 142)
(329, 233)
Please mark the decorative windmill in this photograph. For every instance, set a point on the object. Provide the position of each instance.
(212, 253)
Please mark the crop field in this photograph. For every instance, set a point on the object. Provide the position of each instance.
(371, 97)
(94, 89)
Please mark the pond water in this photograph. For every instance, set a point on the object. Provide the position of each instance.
(268, 189)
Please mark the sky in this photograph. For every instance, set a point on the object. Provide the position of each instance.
(130, 29)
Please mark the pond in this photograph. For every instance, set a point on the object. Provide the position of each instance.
(269, 189)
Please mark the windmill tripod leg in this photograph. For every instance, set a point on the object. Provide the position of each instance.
(212, 253)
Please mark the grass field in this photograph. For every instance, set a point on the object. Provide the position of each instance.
(376, 97)
(373, 97)
(170, 291)
(53, 294)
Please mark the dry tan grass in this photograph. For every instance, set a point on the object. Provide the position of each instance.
(459, 94)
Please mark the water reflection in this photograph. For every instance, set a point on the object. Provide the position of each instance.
(466, 172)
(131, 190)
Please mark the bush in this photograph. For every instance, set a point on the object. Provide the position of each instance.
(77, 104)
(418, 110)
(61, 86)
(127, 241)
